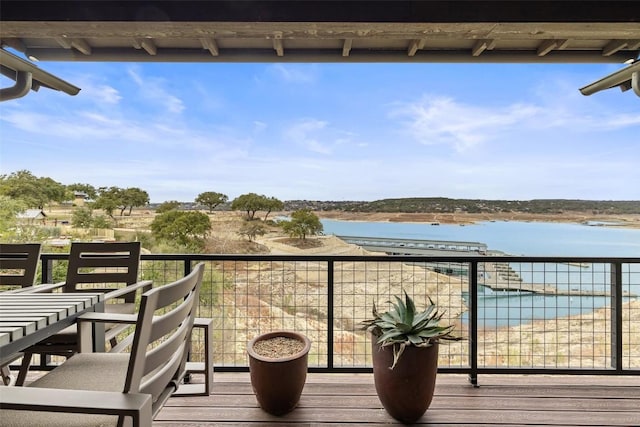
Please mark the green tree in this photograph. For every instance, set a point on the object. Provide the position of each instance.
(211, 199)
(33, 191)
(303, 223)
(82, 218)
(272, 204)
(250, 203)
(132, 198)
(9, 209)
(109, 199)
(251, 229)
(188, 228)
(167, 206)
(87, 189)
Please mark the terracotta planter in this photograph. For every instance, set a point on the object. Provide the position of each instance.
(406, 390)
(278, 382)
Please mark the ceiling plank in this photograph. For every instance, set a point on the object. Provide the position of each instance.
(415, 45)
(613, 47)
(482, 45)
(210, 44)
(346, 47)
(633, 44)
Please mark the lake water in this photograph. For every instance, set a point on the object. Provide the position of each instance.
(529, 239)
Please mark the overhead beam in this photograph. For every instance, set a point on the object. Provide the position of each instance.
(74, 43)
(550, 45)
(327, 55)
(415, 46)
(277, 43)
(613, 47)
(210, 44)
(14, 43)
(482, 45)
(346, 47)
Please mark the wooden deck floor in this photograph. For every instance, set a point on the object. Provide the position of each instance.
(346, 399)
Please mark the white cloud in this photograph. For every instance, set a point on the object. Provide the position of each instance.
(305, 133)
(153, 89)
(442, 120)
(294, 73)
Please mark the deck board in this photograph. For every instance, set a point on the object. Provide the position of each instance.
(350, 399)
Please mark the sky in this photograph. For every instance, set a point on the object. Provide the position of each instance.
(330, 131)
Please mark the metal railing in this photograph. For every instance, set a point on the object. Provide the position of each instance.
(533, 315)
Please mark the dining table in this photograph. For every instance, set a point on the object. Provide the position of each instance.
(28, 318)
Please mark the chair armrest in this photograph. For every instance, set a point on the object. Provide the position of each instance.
(119, 293)
(135, 405)
(85, 330)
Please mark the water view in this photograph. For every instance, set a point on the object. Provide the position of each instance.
(497, 308)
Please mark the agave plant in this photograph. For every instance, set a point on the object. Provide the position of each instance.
(402, 326)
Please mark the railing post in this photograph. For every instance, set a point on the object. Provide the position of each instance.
(473, 322)
(616, 316)
(330, 315)
(47, 270)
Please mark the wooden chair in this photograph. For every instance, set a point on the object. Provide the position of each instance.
(100, 389)
(18, 267)
(105, 267)
(19, 264)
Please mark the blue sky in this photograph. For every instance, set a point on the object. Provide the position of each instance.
(330, 131)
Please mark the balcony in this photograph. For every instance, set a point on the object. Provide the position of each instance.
(548, 340)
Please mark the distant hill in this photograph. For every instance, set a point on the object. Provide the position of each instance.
(446, 205)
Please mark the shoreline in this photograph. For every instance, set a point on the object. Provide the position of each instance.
(611, 221)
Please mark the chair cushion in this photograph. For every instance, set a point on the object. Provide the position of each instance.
(84, 371)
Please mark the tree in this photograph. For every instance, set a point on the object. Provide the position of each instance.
(251, 229)
(109, 199)
(87, 189)
(187, 228)
(9, 209)
(272, 204)
(33, 191)
(167, 206)
(303, 223)
(133, 197)
(250, 203)
(82, 218)
(211, 199)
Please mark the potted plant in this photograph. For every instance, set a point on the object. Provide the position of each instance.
(278, 369)
(405, 356)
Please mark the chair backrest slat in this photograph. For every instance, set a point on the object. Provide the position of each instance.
(19, 263)
(103, 263)
(162, 337)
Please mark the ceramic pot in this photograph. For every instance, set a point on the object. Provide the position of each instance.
(278, 382)
(406, 390)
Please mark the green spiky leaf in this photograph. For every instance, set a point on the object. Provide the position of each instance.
(403, 325)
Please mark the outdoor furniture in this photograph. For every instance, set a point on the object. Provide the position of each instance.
(19, 264)
(18, 267)
(115, 388)
(93, 267)
(26, 319)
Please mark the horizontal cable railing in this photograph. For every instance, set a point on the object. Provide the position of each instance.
(535, 315)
